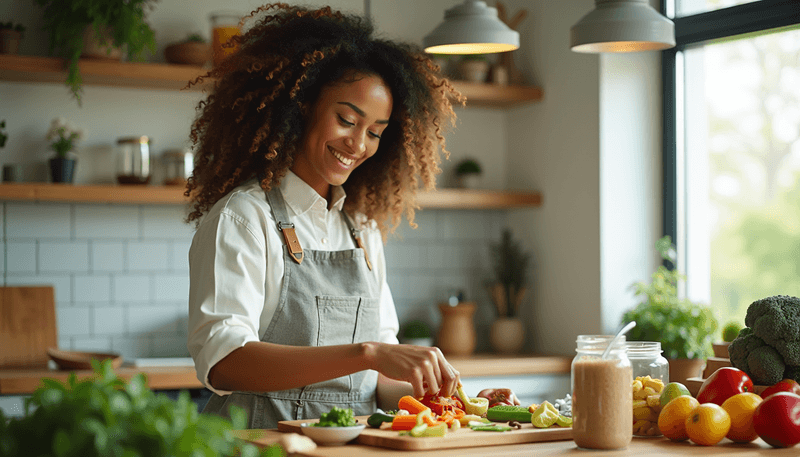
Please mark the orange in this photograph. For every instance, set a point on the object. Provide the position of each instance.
(708, 424)
(672, 419)
(740, 408)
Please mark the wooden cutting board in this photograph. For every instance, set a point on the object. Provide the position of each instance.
(27, 326)
(464, 437)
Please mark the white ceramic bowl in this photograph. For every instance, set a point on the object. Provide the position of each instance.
(331, 436)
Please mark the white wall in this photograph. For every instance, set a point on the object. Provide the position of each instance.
(592, 237)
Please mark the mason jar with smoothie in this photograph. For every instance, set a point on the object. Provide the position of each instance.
(601, 394)
(224, 26)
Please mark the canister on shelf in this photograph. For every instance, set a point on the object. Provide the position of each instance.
(224, 26)
(133, 160)
(178, 166)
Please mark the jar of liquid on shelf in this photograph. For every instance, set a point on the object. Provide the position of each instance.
(133, 160)
(224, 26)
(178, 166)
(651, 370)
(601, 393)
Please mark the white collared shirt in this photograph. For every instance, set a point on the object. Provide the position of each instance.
(237, 252)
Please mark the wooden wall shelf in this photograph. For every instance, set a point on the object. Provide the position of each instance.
(69, 193)
(38, 69)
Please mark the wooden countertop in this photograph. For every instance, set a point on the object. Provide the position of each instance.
(639, 447)
(25, 381)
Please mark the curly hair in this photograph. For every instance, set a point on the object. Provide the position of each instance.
(253, 121)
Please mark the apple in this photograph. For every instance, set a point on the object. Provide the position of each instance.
(787, 385)
(671, 391)
(777, 419)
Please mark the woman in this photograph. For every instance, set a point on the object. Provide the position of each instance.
(290, 312)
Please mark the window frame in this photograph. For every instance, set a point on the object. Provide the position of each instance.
(692, 30)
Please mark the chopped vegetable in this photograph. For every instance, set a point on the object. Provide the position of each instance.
(476, 406)
(455, 425)
(377, 419)
(545, 415)
(441, 404)
(424, 430)
(337, 417)
(411, 404)
(503, 413)
(491, 428)
(466, 419)
(405, 422)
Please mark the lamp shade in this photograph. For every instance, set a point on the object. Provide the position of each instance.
(622, 26)
(471, 28)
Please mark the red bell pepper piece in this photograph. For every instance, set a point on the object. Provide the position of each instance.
(723, 384)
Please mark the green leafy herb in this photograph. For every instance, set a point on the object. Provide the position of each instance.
(104, 416)
(337, 417)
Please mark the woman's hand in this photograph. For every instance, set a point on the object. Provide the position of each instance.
(425, 368)
(499, 397)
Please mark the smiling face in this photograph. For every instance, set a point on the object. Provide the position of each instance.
(344, 130)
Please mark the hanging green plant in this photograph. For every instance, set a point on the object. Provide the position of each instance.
(124, 21)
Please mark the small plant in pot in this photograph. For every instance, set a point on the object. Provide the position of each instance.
(10, 36)
(63, 138)
(75, 24)
(468, 173)
(474, 68)
(685, 329)
(193, 50)
(507, 334)
(418, 333)
(729, 333)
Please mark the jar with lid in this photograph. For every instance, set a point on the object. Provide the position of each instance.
(651, 370)
(133, 160)
(602, 411)
(178, 165)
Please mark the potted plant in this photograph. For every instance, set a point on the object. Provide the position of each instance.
(193, 50)
(10, 37)
(507, 334)
(685, 329)
(468, 173)
(729, 333)
(418, 333)
(63, 139)
(73, 24)
(474, 68)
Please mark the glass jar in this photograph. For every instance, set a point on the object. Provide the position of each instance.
(224, 26)
(133, 160)
(178, 166)
(602, 411)
(650, 375)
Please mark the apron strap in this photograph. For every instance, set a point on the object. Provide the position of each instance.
(278, 206)
(356, 233)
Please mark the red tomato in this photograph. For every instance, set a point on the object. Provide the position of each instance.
(723, 384)
(787, 385)
(777, 419)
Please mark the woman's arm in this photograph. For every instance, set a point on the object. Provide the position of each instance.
(264, 367)
(390, 391)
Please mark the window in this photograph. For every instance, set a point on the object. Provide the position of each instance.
(732, 150)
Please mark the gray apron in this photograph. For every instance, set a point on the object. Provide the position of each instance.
(328, 298)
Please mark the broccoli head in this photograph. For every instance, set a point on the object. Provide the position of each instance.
(754, 356)
(792, 372)
(776, 320)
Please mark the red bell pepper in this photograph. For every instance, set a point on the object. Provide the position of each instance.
(787, 385)
(439, 405)
(723, 384)
(777, 419)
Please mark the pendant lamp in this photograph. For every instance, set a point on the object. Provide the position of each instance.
(471, 28)
(622, 26)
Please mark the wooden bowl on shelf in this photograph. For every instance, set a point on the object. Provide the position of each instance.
(76, 360)
(188, 53)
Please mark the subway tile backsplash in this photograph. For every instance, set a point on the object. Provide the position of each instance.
(120, 272)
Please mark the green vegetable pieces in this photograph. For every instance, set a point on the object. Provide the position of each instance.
(337, 417)
(504, 413)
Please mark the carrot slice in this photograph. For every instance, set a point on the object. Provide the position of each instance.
(405, 422)
(411, 404)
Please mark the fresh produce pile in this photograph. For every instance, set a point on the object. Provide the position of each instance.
(435, 415)
(646, 405)
(768, 349)
(727, 407)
